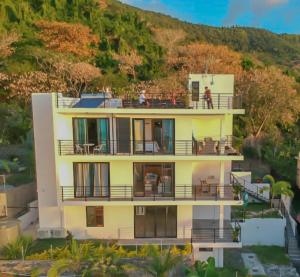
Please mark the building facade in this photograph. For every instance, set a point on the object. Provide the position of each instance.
(140, 171)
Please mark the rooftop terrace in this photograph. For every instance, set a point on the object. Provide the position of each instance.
(152, 101)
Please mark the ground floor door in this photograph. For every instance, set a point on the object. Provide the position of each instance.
(155, 222)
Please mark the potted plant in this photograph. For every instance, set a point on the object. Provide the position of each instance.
(237, 189)
(235, 234)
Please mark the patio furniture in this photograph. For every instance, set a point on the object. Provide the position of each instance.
(210, 146)
(87, 146)
(78, 149)
(151, 146)
(205, 187)
(148, 190)
(99, 148)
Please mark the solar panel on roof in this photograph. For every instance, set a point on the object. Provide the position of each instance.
(89, 103)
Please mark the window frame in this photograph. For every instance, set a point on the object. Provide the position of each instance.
(95, 207)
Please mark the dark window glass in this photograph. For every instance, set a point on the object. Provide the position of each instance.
(94, 217)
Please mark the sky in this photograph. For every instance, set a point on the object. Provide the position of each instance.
(279, 16)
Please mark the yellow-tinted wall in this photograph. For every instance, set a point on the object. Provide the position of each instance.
(118, 221)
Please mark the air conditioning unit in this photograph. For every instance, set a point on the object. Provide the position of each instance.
(140, 210)
(58, 233)
(51, 233)
(43, 234)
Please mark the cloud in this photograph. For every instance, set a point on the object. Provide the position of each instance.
(257, 8)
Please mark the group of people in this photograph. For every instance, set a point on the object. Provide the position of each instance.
(207, 97)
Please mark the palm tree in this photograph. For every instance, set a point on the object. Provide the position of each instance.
(203, 269)
(86, 260)
(161, 264)
(278, 188)
(74, 256)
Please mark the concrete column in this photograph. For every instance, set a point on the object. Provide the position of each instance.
(222, 136)
(222, 179)
(221, 221)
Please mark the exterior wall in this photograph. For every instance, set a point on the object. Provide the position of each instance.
(9, 231)
(220, 83)
(202, 169)
(212, 126)
(263, 231)
(30, 217)
(210, 212)
(118, 221)
(184, 221)
(17, 197)
(45, 156)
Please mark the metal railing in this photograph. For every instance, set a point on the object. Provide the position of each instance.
(241, 183)
(130, 193)
(157, 101)
(203, 146)
(217, 235)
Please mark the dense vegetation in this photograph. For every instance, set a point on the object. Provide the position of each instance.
(86, 45)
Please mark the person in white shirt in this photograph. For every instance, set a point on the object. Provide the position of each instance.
(142, 98)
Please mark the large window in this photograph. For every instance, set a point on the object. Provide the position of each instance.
(94, 216)
(91, 179)
(91, 134)
(153, 179)
(154, 136)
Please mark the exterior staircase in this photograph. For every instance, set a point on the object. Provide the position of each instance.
(255, 193)
(292, 247)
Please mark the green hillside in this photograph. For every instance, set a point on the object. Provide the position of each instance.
(132, 26)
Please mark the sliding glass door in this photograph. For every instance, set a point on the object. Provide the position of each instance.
(153, 179)
(91, 135)
(91, 179)
(153, 136)
(155, 222)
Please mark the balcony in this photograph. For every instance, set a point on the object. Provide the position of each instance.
(153, 101)
(201, 147)
(129, 193)
(209, 231)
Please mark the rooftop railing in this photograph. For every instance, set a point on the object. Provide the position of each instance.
(201, 146)
(130, 193)
(152, 101)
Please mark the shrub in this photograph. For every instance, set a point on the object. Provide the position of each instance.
(18, 249)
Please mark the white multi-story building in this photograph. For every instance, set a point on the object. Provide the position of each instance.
(135, 171)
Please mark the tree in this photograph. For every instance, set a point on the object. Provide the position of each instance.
(128, 62)
(72, 258)
(6, 41)
(168, 38)
(14, 124)
(160, 265)
(278, 188)
(66, 37)
(206, 58)
(203, 269)
(270, 99)
(21, 86)
(77, 76)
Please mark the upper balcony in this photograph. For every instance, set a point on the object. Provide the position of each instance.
(156, 103)
(205, 146)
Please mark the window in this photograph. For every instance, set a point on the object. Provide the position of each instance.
(94, 217)
(205, 249)
(91, 180)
